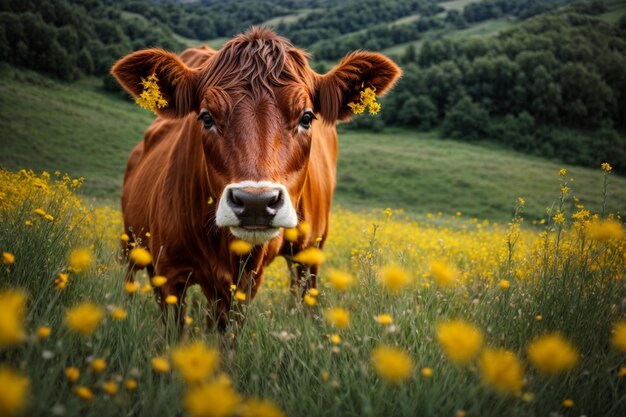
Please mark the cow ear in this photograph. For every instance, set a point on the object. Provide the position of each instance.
(343, 84)
(176, 81)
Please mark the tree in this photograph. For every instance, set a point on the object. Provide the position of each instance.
(466, 120)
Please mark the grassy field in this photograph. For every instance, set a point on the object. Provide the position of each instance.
(616, 9)
(287, 19)
(78, 129)
(541, 329)
(74, 128)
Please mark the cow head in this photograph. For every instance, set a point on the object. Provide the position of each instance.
(256, 105)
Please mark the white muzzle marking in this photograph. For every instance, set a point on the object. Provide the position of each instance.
(285, 214)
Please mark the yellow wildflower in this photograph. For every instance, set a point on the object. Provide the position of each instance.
(559, 218)
(130, 384)
(83, 318)
(460, 340)
(392, 364)
(14, 393)
(304, 228)
(148, 235)
(504, 284)
(564, 189)
(426, 372)
(12, 310)
(618, 340)
(48, 217)
(80, 260)
(195, 362)
(291, 235)
(394, 278)
(72, 374)
(83, 393)
(43, 332)
(310, 256)
(606, 167)
(98, 365)
(214, 399)
(335, 339)
(367, 99)
(384, 319)
(260, 408)
(538, 317)
(124, 237)
(309, 300)
(502, 370)
(444, 274)
(160, 364)
(621, 372)
(8, 258)
(188, 320)
(605, 230)
(241, 296)
(140, 256)
(340, 280)
(151, 98)
(552, 354)
(562, 172)
(171, 299)
(158, 280)
(61, 281)
(131, 286)
(338, 317)
(146, 288)
(39, 212)
(568, 403)
(356, 108)
(110, 387)
(314, 292)
(118, 314)
(240, 247)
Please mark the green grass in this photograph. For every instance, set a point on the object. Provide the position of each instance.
(287, 19)
(75, 128)
(456, 4)
(279, 349)
(616, 9)
(422, 173)
(487, 28)
(79, 129)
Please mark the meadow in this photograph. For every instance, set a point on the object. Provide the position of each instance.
(459, 278)
(75, 127)
(444, 315)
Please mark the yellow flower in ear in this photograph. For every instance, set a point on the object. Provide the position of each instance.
(367, 100)
(151, 98)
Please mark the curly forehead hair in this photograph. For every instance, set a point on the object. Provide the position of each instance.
(257, 61)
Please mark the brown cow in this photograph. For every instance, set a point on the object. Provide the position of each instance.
(241, 129)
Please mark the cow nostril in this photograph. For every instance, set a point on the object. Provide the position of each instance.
(234, 200)
(275, 201)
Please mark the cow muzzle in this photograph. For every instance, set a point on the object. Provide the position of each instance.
(255, 210)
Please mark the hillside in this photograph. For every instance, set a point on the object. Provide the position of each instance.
(472, 67)
(79, 129)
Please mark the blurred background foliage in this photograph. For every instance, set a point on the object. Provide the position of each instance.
(542, 77)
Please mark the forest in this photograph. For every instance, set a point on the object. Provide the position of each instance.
(552, 84)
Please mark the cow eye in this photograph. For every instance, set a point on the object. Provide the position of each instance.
(306, 119)
(207, 119)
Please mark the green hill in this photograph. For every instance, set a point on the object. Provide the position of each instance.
(80, 129)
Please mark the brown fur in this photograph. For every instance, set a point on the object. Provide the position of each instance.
(256, 87)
